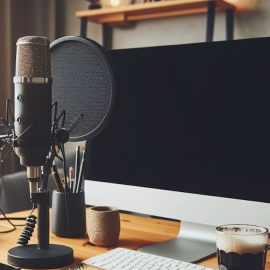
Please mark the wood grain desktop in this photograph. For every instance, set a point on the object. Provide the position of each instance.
(136, 231)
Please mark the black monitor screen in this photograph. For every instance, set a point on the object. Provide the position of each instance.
(191, 118)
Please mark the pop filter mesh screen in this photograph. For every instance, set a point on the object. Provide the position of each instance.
(82, 84)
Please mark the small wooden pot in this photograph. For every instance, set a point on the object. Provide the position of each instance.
(103, 225)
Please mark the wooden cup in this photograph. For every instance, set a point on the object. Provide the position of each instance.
(103, 225)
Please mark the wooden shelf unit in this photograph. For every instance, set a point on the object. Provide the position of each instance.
(149, 11)
(109, 17)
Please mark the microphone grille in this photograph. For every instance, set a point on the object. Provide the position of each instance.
(33, 57)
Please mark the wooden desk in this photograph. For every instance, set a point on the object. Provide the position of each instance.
(155, 10)
(136, 231)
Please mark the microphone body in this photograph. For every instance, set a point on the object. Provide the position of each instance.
(32, 122)
(32, 105)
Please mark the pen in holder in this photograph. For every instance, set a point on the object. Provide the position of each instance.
(68, 214)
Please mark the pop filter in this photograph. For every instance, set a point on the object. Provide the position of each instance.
(83, 84)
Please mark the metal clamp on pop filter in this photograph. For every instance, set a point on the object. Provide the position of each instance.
(75, 107)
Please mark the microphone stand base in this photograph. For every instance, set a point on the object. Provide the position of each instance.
(32, 257)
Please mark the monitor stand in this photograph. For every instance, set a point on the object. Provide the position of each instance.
(193, 243)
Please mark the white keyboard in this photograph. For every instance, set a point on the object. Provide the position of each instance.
(126, 259)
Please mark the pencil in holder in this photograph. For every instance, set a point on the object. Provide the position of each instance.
(68, 214)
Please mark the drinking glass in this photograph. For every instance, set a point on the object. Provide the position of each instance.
(241, 247)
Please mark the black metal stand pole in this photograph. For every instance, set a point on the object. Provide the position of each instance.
(83, 29)
(107, 36)
(43, 219)
(210, 21)
(230, 24)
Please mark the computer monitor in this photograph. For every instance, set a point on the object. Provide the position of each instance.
(189, 139)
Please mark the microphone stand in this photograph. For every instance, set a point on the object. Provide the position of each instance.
(42, 255)
(43, 204)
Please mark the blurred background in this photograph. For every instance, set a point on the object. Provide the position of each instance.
(56, 18)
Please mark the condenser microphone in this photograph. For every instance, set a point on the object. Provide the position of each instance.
(32, 105)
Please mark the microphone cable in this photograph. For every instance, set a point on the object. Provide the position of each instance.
(29, 228)
(9, 220)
